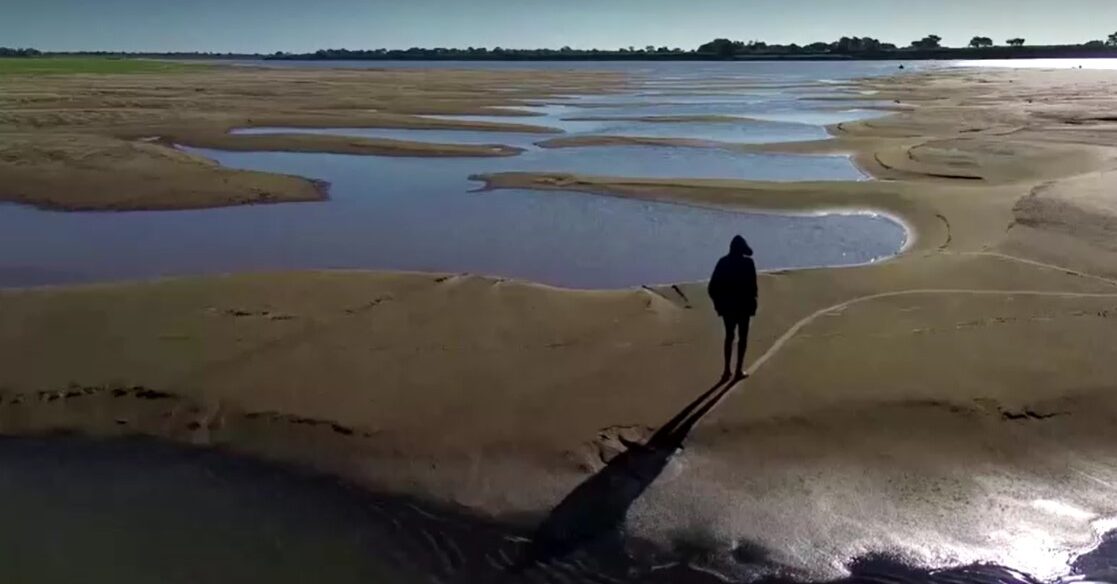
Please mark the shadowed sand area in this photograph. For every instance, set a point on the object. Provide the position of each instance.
(952, 405)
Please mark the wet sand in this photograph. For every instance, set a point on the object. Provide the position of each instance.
(74, 142)
(952, 403)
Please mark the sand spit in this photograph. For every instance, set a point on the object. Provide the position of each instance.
(946, 390)
(74, 142)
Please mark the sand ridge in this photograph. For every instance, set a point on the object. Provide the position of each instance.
(947, 389)
(105, 142)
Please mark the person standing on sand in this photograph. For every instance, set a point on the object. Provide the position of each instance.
(733, 290)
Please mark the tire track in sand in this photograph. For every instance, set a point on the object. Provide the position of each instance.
(802, 323)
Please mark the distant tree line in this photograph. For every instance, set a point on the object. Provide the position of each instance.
(843, 46)
(168, 54)
(478, 53)
(928, 47)
(10, 52)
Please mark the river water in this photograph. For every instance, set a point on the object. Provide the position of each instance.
(137, 511)
(133, 511)
(423, 214)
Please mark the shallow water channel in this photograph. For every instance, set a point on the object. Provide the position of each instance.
(425, 214)
(131, 511)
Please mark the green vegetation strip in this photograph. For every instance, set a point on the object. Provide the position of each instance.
(88, 65)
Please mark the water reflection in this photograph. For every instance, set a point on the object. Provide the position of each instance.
(744, 132)
(136, 511)
(418, 214)
(761, 119)
(517, 139)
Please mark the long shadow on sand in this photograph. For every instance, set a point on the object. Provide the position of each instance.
(597, 507)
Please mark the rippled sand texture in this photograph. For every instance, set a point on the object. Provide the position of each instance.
(951, 405)
(75, 142)
(413, 206)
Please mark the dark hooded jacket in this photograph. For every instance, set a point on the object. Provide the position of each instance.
(733, 285)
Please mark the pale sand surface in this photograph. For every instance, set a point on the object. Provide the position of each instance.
(76, 142)
(936, 403)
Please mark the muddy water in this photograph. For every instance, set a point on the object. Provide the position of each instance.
(133, 511)
(422, 214)
(142, 512)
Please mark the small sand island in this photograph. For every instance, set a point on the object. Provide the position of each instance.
(73, 144)
(978, 362)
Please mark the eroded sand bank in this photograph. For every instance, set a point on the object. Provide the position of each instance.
(74, 142)
(932, 403)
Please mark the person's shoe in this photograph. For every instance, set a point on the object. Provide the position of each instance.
(725, 376)
(740, 376)
(629, 444)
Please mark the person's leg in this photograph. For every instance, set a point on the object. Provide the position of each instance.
(742, 344)
(730, 328)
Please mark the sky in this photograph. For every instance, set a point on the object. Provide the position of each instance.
(305, 25)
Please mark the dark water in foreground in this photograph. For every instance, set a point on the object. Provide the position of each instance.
(137, 511)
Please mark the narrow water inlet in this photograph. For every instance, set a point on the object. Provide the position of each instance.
(744, 131)
(423, 215)
(142, 511)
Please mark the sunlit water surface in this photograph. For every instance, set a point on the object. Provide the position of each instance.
(425, 214)
(140, 512)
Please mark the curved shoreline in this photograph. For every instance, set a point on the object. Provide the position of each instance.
(910, 236)
(92, 151)
(975, 368)
(921, 221)
(326, 144)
